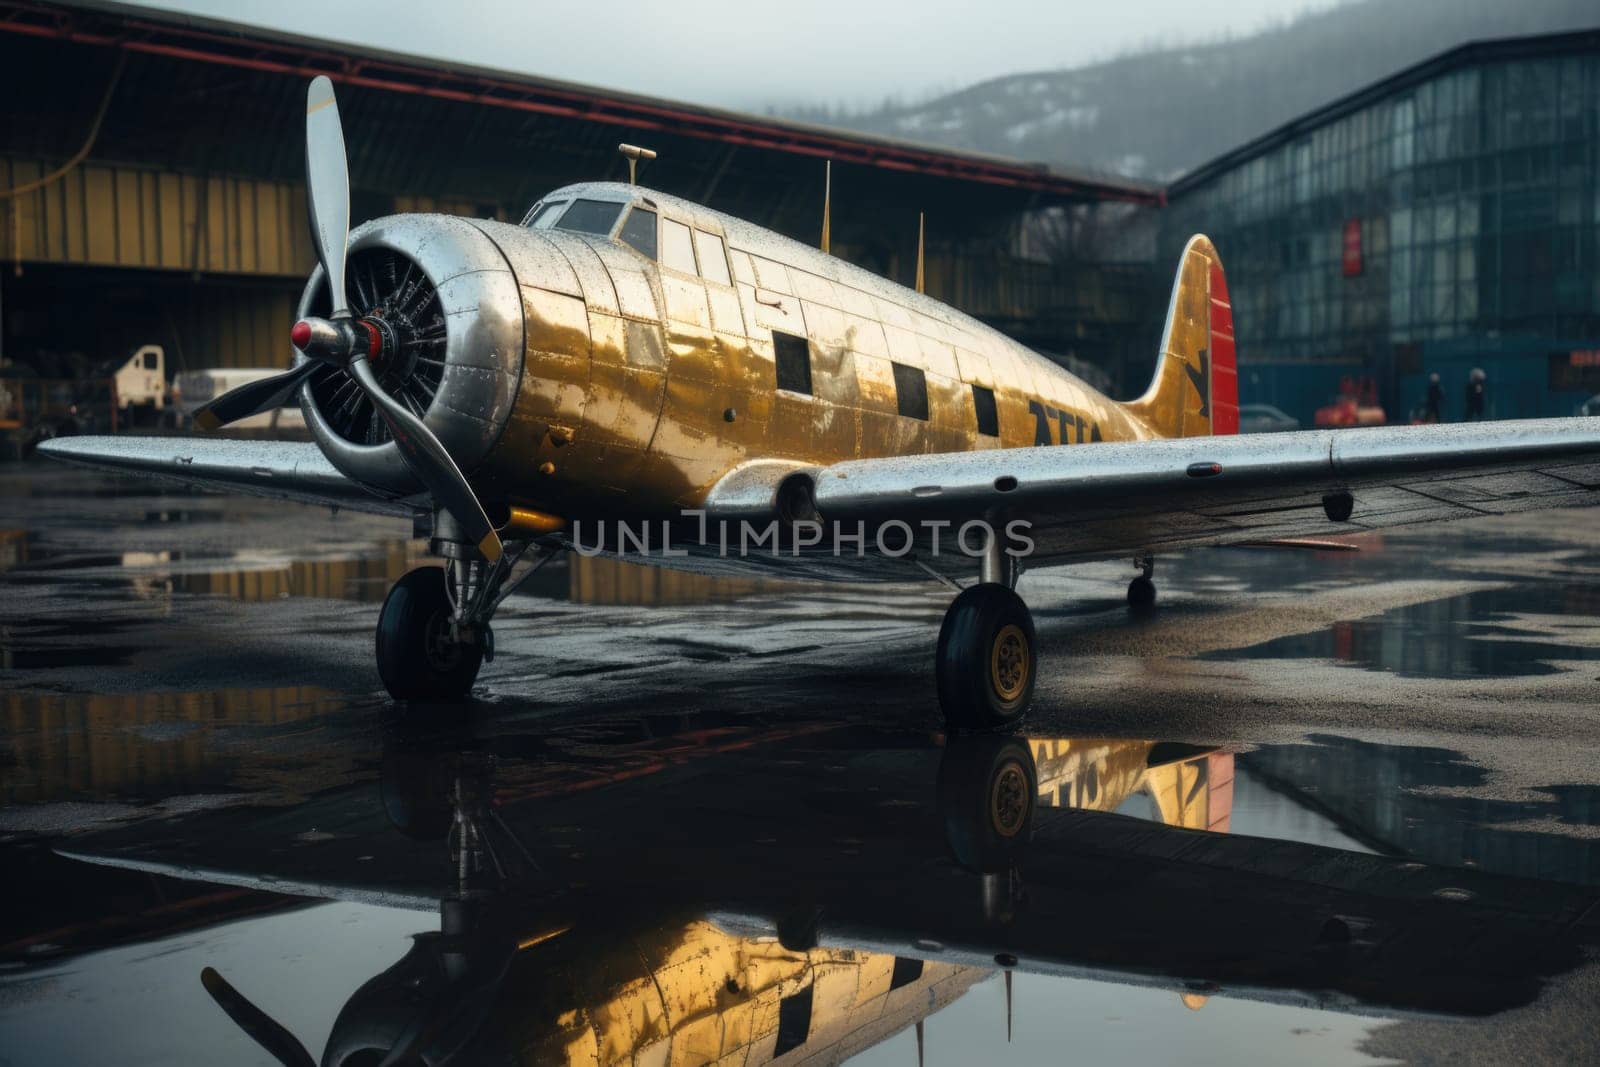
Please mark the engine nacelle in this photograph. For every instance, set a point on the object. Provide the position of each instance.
(450, 308)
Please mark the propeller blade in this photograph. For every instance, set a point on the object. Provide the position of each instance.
(261, 1027)
(252, 398)
(430, 462)
(328, 195)
(328, 187)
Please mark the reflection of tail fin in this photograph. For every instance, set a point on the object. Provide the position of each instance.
(1195, 391)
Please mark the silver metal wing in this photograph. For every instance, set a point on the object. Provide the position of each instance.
(1106, 500)
(283, 470)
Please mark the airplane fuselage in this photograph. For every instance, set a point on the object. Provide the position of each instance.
(674, 344)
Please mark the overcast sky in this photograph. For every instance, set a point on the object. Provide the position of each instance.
(736, 53)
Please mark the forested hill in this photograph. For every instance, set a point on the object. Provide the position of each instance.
(1158, 113)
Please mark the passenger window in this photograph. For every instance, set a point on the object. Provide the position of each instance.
(677, 250)
(640, 231)
(713, 260)
(590, 216)
(794, 362)
(988, 417)
(911, 391)
(545, 217)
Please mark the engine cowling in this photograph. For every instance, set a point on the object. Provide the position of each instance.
(449, 309)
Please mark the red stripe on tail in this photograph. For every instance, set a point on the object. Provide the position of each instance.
(1224, 366)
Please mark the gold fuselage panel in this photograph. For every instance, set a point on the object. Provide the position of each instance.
(643, 386)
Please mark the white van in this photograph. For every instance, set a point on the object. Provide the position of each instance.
(143, 379)
(193, 388)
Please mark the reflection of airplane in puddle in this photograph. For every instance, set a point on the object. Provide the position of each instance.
(500, 983)
(591, 922)
(630, 356)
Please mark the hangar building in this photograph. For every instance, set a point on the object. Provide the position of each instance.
(1444, 219)
(152, 190)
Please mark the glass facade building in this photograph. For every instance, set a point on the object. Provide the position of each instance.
(1445, 219)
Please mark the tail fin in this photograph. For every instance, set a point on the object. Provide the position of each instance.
(1195, 391)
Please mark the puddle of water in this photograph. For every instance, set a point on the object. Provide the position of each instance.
(1489, 633)
(602, 902)
(143, 746)
(365, 575)
(1417, 802)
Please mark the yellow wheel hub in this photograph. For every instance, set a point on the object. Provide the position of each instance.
(1008, 800)
(1009, 663)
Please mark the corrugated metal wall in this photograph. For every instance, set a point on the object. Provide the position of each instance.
(234, 327)
(112, 215)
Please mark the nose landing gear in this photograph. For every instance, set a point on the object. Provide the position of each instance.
(420, 655)
(433, 632)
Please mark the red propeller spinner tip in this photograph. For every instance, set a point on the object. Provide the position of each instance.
(301, 334)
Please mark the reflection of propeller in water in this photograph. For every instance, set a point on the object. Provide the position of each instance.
(345, 342)
(267, 1031)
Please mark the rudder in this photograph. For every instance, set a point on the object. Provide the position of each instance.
(1195, 391)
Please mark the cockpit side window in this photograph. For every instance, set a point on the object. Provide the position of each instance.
(677, 249)
(544, 216)
(639, 231)
(713, 259)
(590, 216)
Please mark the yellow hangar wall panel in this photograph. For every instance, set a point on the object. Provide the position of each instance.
(234, 326)
(111, 215)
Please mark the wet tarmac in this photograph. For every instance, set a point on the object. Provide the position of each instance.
(1335, 807)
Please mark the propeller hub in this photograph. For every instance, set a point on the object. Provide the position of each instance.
(338, 340)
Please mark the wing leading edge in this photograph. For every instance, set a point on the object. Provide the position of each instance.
(1106, 500)
(281, 470)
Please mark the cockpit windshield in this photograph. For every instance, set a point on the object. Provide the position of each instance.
(544, 216)
(590, 216)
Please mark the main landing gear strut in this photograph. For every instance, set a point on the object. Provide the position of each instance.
(987, 659)
(433, 632)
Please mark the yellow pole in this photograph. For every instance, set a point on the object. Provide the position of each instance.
(919, 251)
(827, 196)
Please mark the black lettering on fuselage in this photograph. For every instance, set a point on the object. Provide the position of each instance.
(1043, 415)
(1041, 423)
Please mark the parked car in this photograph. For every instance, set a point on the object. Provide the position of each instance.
(193, 388)
(1590, 406)
(1264, 418)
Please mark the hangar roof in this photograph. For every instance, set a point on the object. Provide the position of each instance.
(216, 80)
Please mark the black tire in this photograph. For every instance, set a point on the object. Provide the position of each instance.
(988, 789)
(1142, 593)
(987, 660)
(415, 658)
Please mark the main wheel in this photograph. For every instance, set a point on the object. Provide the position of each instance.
(1141, 593)
(986, 660)
(416, 657)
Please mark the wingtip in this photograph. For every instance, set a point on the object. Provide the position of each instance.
(205, 421)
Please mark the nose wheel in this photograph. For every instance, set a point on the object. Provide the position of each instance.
(987, 659)
(420, 655)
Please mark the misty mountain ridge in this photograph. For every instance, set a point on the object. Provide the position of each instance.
(1156, 114)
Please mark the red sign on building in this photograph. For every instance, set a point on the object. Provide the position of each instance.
(1352, 248)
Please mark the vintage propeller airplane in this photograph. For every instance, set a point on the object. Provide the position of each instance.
(631, 358)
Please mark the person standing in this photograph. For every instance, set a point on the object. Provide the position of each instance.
(1476, 383)
(1433, 412)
